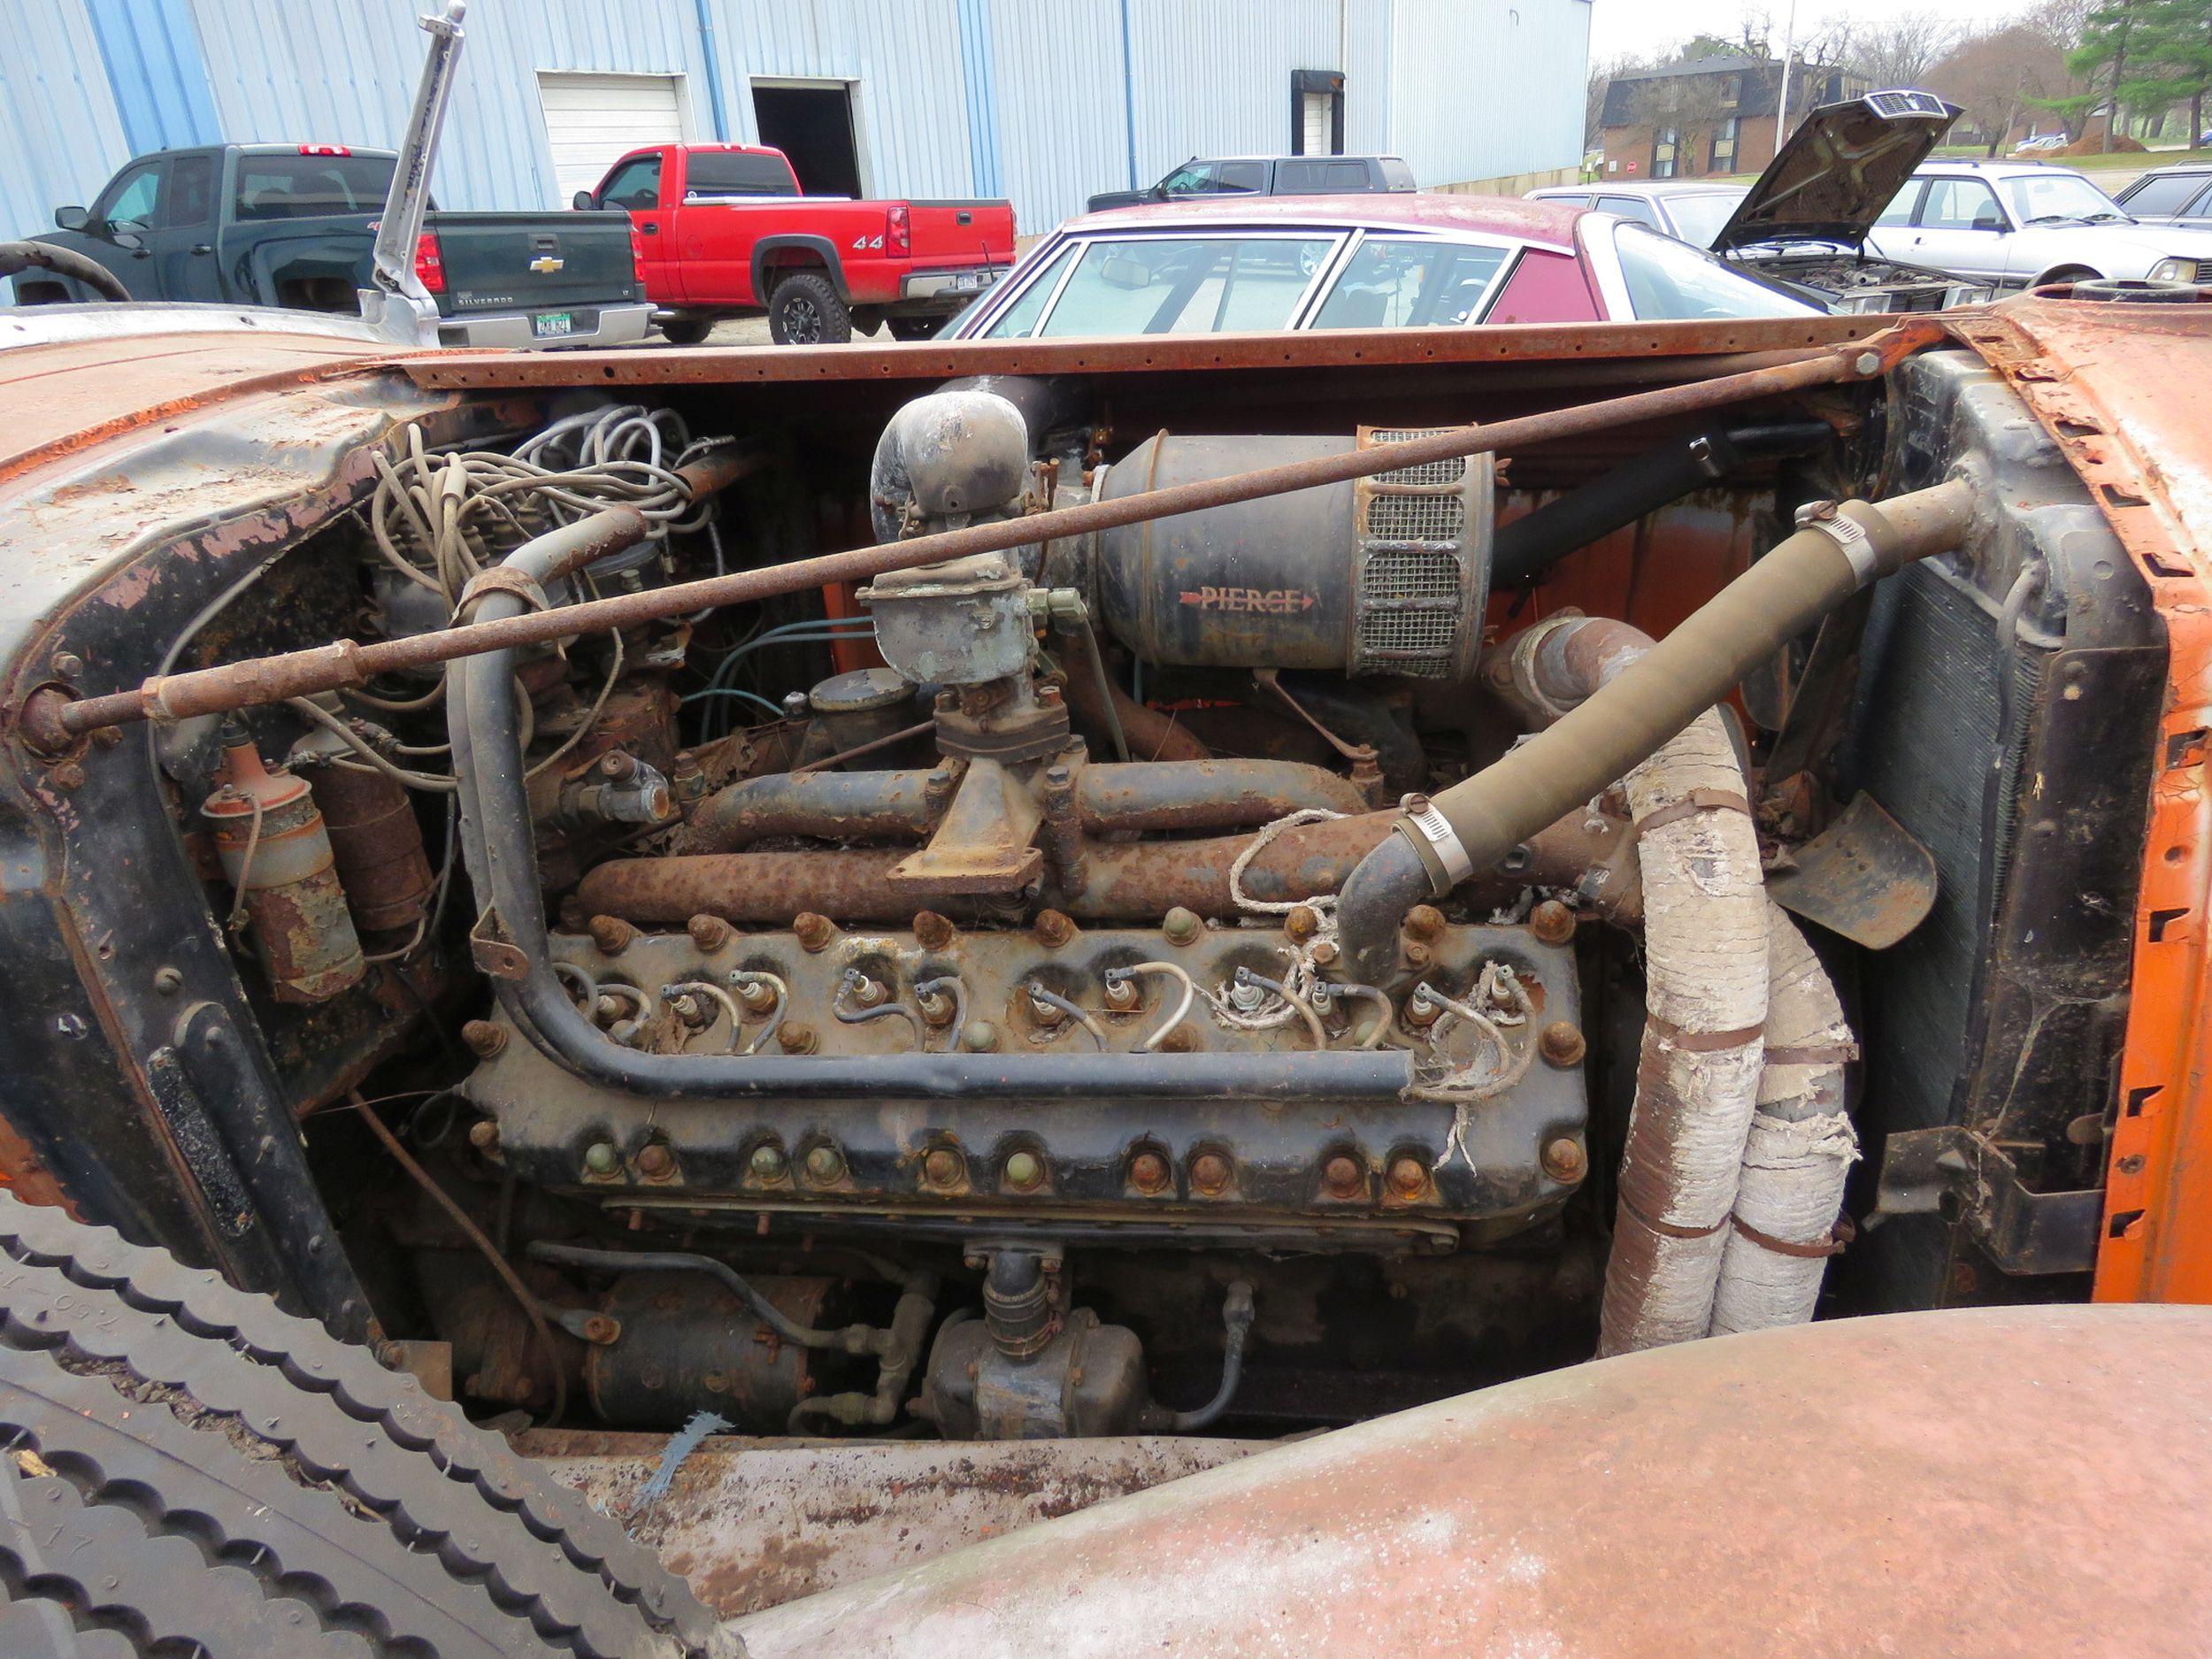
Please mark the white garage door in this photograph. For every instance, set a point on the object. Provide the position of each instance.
(590, 120)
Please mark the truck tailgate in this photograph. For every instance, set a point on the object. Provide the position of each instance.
(507, 262)
(963, 232)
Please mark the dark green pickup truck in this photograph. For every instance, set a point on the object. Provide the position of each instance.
(294, 225)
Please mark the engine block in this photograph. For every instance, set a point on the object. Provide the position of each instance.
(1413, 1172)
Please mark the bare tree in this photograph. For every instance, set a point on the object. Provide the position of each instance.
(1900, 51)
(1994, 77)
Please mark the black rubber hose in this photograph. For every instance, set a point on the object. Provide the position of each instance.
(501, 853)
(1236, 1320)
(685, 1261)
(19, 256)
(1532, 543)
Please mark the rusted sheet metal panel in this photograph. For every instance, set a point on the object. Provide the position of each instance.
(1579, 344)
(756, 1524)
(1889, 1485)
(2126, 391)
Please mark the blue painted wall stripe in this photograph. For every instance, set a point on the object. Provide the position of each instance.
(982, 96)
(156, 71)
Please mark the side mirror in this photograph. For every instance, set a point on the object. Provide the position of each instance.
(1989, 218)
(1159, 192)
(584, 202)
(72, 217)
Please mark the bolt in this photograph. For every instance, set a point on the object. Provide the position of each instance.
(709, 933)
(1054, 929)
(767, 1163)
(1324, 952)
(484, 1136)
(1024, 1171)
(1867, 362)
(168, 980)
(1048, 696)
(1149, 1172)
(1409, 1176)
(1181, 926)
(656, 1162)
(1210, 1173)
(614, 763)
(933, 932)
(611, 934)
(1343, 1177)
(601, 1158)
(483, 1038)
(1552, 922)
(66, 664)
(107, 736)
(825, 1164)
(1561, 1044)
(793, 1037)
(68, 775)
(1564, 1160)
(1418, 955)
(814, 932)
(979, 1036)
(1425, 923)
(942, 1167)
(601, 1329)
(1302, 924)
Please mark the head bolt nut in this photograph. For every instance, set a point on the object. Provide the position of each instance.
(1181, 926)
(1561, 1044)
(1552, 922)
(1054, 928)
(767, 1163)
(795, 1038)
(825, 1164)
(1324, 952)
(942, 1167)
(611, 934)
(69, 775)
(601, 1159)
(1425, 923)
(168, 980)
(484, 1038)
(1565, 1161)
(656, 1162)
(66, 664)
(1210, 1173)
(1409, 1176)
(709, 933)
(933, 932)
(484, 1136)
(1302, 924)
(814, 932)
(1149, 1172)
(1024, 1171)
(1343, 1177)
(979, 1036)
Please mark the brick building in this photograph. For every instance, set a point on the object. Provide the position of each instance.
(1709, 116)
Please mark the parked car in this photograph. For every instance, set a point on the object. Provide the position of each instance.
(726, 232)
(1372, 262)
(2019, 225)
(1267, 175)
(2171, 195)
(1804, 224)
(2040, 143)
(294, 225)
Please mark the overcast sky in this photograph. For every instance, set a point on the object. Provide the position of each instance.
(1641, 27)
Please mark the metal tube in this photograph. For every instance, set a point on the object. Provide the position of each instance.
(1207, 793)
(51, 721)
(866, 806)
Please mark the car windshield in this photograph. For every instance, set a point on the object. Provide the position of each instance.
(1698, 218)
(1670, 278)
(1171, 285)
(2049, 199)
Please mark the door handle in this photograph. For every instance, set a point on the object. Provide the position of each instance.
(201, 248)
(142, 253)
(649, 228)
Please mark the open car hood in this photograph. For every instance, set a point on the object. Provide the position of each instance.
(1839, 169)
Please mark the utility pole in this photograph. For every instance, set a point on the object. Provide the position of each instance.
(1782, 105)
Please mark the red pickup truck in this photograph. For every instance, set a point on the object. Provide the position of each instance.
(727, 233)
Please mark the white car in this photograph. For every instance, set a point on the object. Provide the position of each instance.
(2018, 225)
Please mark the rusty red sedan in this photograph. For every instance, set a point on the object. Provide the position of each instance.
(1422, 261)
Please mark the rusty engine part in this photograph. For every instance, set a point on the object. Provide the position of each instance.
(377, 848)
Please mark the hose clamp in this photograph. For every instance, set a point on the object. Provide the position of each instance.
(1432, 826)
(1848, 535)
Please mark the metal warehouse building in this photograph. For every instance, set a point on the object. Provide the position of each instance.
(1043, 101)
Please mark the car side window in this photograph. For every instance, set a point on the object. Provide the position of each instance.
(1410, 283)
(1900, 206)
(1631, 207)
(1961, 204)
(1186, 285)
(635, 185)
(191, 198)
(1341, 177)
(1243, 175)
(1193, 177)
(1018, 320)
(129, 203)
(2163, 193)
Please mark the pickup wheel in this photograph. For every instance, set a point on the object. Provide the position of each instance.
(914, 327)
(687, 331)
(189, 1470)
(804, 311)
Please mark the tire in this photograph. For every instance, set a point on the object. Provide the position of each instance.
(189, 1470)
(687, 331)
(2065, 273)
(804, 311)
(915, 327)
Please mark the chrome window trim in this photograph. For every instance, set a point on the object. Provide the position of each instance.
(1513, 248)
(1340, 236)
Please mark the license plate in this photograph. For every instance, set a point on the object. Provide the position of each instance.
(553, 325)
(969, 281)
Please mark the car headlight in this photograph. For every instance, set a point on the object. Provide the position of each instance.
(1968, 294)
(2174, 270)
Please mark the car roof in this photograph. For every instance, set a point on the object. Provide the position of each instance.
(1371, 156)
(1646, 188)
(1551, 223)
(1998, 169)
(2178, 166)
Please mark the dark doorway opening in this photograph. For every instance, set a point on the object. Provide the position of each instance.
(814, 126)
